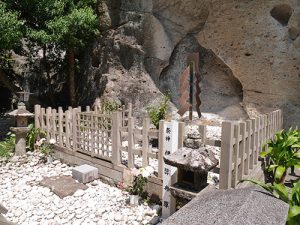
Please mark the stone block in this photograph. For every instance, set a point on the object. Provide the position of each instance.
(85, 173)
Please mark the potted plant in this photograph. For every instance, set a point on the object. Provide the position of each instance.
(140, 179)
(46, 148)
(283, 154)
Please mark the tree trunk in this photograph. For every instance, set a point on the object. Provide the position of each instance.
(47, 70)
(71, 76)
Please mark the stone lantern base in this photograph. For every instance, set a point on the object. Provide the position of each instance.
(21, 133)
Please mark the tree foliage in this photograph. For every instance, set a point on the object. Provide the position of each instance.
(59, 29)
(10, 31)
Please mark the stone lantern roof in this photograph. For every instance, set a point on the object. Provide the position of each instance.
(21, 111)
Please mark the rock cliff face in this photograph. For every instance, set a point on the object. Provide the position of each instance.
(249, 50)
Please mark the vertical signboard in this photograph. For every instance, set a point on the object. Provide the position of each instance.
(170, 138)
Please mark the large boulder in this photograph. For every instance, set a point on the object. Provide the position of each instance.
(249, 53)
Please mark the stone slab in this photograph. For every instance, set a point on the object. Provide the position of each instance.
(3, 221)
(247, 206)
(3, 210)
(85, 173)
(62, 186)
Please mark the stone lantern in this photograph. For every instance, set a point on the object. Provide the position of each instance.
(21, 116)
(193, 166)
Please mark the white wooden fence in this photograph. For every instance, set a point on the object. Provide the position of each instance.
(241, 144)
(103, 136)
(88, 132)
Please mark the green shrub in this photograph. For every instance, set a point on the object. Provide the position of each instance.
(110, 106)
(159, 113)
(33, 135)
(8, 145)
(283, 153)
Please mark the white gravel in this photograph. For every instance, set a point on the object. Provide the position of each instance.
(30, 203)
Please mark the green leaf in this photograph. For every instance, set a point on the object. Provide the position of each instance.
(282, 192)
(297, 166)
(296, 146)
(280, 170)
(267, 187)
(265, 153)
(271, 168)
(294, 211)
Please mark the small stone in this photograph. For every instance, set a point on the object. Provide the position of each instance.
(139, 218)
(151, 212)
(154, 220)
(118, 217)
(157, 208)
(101, 211)
(101, 222)
(78, 216)
(71, 216)
(18, 213)
(50, 216)
(46, 201)
(94, 183)
(60, 211)
(79, 193)
(55, 162)
(92, 216)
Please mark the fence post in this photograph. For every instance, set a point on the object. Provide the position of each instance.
(272, 124)
(281, 120)
(60, 126)
(181, 132)
(236, 150)
(247, 147)
(48, 126)
(67, 124)
(54, 127)
(75, 128)
(130, 142)
(37, 116)
(145, 149)
(257, 137)
(251, 164)
(42, 120)
(116, 157)
(129, 109)
(226, 155)
(202, 131)
(242, 151)
(161, 148)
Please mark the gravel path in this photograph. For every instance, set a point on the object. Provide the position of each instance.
(30, 203)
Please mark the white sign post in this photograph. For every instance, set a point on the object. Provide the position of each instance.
(170, 145)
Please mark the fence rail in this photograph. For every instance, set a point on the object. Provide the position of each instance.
(241, 144)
